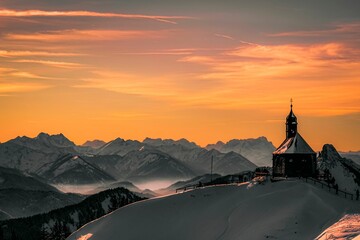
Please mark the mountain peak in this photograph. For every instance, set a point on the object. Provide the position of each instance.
(57, 139)
(329, 152)
(161, 142)
(94, 143)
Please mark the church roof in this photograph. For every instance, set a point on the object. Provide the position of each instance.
(295, 144)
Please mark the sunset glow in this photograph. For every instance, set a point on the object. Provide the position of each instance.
(204, 71)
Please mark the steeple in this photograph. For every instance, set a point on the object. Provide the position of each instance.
(291, 123)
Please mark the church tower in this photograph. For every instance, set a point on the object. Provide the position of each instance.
(291, 123)
(294, 157)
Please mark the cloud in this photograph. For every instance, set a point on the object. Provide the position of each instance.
(224, 36)
(21, 74)
(40, 13)
(52, 63)
(338, 30)
(264, 74)
(158, 87)
(11, 53)
(6, 88)
(206, 60)
(86, 35)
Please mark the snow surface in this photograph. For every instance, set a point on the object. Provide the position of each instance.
(347, 227)
(281, 210)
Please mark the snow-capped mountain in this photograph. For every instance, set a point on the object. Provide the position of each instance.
(46, 143)
(143, 165)
(223, 163)
(94, 143)
(23, 158)
(73, 169)
(119, 146)
(59, 223)
(107, 163)
(281, 210)
(258, 150)
(59, 160)
(158, 142)
(199, 158)
(345, 171)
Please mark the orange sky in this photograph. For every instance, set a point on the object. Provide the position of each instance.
(202, 71)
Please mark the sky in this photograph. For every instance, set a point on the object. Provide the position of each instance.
(201, 70)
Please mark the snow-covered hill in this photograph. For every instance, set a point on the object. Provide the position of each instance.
(345, 171)
(257, 150)
(281, 210)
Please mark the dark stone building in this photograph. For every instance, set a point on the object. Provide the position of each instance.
(294, 157)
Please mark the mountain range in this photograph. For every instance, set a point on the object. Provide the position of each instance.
(59, 161)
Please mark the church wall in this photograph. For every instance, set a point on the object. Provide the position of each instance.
(294, 165)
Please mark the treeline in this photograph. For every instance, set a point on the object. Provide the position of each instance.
(58, 224)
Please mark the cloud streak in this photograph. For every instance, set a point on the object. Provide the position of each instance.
(52, 63)
(11, 53)
(86, 35)
(40, 13)
(338, 30)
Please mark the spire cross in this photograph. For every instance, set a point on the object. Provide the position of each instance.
(291, 101)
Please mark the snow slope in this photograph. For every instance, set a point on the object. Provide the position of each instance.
(347, 227)
(281, 210)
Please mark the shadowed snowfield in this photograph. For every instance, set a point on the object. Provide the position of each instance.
(282, 210)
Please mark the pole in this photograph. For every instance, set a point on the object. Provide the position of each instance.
(212, 160)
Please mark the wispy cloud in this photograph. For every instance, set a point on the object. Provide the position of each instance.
(130, 84)
(37, 13)
(6, 88)
(338, 30)
(207, 60)
(307, 71)
(52, 63)
(21, 74)
(88, 35)
(224, 36)
(12, 53)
